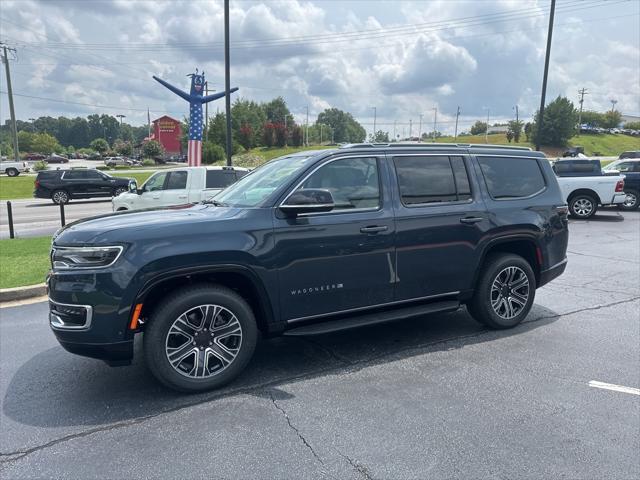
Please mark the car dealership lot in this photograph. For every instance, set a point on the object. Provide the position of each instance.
(432, 397)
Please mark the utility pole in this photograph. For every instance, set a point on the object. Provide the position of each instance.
(420, 129)
(375, 114)
(455, 135)
(613, 104)
(120, 116)
(435, 120)
(307, 126)
(12, 111)
(321, 125)
(227, 80)
(486, 132)
(582, 93)
(410, 130)
(545, 75)
(395, 138)
(517, 117)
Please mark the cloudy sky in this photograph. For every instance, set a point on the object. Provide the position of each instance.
(77, 57)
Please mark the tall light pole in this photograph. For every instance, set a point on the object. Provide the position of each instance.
(486, 131)
(375, 114)
(12, 111)
(227, 80)
(613, 104)
(435, 120)
(545, 75)
(121, 116)
(420, 129)
(394, 131)
(455, 135)
(307, 126)
(410, 130)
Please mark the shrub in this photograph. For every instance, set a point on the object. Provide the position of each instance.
(103, 167)
(40, 165)
(148, 162)
(212, 153)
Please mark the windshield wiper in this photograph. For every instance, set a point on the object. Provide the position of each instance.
(214, 202)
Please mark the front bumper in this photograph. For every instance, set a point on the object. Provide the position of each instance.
(553, 272)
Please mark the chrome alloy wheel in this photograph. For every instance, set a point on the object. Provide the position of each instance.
(509, 292)
(203, 341)
(630, 201)
(583, 207)
(60, 197)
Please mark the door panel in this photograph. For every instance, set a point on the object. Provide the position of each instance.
(175, 191)
(437, 237)
(342, 259)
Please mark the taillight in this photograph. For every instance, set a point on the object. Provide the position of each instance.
(36, 184)
(620, 186)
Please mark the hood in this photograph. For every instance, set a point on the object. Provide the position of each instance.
(128, 226)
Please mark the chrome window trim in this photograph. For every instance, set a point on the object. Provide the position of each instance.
(60, 325)
(369, 307)
(544, 178)
(378, 156)
(437, 204)
(76, 249)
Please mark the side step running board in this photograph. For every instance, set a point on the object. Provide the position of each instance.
(373, 318)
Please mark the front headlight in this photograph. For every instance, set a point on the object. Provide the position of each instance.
(66, 258)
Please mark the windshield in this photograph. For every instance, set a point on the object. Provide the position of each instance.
(253, 189)
(612, 166)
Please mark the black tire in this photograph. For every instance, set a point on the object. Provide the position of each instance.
(481, 305)
(60, 197)
(180, 304)
(118, 191)
(12, 172)
(582, 206)
(632, 202)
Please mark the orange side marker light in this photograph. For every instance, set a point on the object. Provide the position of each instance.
(133, 325)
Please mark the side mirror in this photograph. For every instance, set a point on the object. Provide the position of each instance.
(133, 186)
(308, 200)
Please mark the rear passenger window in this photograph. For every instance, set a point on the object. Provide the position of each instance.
(432, 179)
(511, 177)
(177, 180)
(220, 178)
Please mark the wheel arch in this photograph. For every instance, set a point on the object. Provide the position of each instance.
(584, 191)
(239, 278)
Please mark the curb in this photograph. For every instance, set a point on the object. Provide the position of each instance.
(21, 293)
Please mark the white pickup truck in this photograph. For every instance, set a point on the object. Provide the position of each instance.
(13, 169)
(585, 194)
(178, 186)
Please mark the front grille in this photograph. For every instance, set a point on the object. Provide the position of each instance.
(69, 317)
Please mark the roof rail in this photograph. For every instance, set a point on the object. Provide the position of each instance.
(433, 145)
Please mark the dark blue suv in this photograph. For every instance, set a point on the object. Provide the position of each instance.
(307, 244)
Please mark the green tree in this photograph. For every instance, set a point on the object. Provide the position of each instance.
(100, 145)
(611, 119)
(276, 111)
(247, 118)
(591, 118)
(345, 128)
(560, 119)
(25, 141)
(152, 149)
(509, 136)
(478, 128)
(45, 143)
(212, 153)
(632, 125)
(515, 129)
(379, 137)
(123, 148)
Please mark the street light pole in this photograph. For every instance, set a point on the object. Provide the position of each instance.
(545, 75)
(375, 114)
(435, 120)
(227, 80)
(420, 129)
(486, 131)
(455, 135)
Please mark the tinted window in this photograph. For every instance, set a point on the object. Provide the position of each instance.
(92, 174)
(511, 177)
(353, 182)
(427, 179)
(75, 175)
(177, 181)
(156, 182)
(220, 178)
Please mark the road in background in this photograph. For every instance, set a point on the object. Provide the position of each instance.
(34, 218)
(432, 397)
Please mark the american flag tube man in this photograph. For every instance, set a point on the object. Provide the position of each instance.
(196, 100)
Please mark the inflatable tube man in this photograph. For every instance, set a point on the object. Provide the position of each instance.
(195, 99)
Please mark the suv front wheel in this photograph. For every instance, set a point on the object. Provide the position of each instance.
(200, 338)
(505, 291)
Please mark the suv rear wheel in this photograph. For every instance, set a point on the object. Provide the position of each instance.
(60, 196)
(505, 291)
(631, 200)
(583, 206)
(200, 338)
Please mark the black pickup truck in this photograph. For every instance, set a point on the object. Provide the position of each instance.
(307, 244)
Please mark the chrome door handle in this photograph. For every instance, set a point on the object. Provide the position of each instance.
(374, 229)
(471, 220)
(182, 196)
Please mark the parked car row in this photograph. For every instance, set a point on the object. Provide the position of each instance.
(616, 131)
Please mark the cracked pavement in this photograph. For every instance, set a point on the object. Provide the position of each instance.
(431, 397)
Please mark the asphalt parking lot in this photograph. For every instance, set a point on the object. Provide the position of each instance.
(432, 397)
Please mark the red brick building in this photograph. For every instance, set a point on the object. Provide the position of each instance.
(168, 131)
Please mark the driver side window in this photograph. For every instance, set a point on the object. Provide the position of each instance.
(155, 183)
(353, 182)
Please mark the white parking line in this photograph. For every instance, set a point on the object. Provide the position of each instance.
(615, 388)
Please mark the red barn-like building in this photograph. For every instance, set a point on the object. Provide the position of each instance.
(167, 131)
